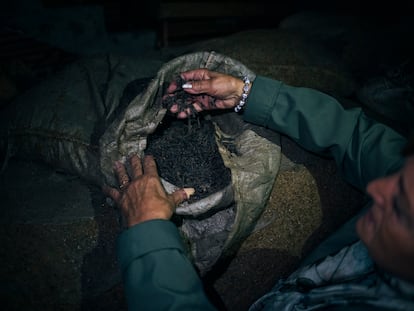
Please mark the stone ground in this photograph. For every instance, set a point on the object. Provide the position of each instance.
(58, 234)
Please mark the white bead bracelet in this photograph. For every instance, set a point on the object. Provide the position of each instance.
(244, 95)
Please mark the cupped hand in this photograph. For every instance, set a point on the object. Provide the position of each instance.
(210, 90)
(142, 196)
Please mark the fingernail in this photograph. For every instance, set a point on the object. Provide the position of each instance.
(187, 86)
(189, 192)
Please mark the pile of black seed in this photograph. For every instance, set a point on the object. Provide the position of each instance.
(185, 150)
(187, 155)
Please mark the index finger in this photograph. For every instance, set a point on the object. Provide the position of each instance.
(150, 167)
(197, 74)
(136, 166)
(172, 87)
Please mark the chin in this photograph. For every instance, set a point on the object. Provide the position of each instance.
(399, 266)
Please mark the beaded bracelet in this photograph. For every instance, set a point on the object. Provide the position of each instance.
(244, 95)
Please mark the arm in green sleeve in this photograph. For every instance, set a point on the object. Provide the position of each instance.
(156, 273)
(362, 148)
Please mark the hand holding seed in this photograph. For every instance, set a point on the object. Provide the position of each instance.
(205, 90)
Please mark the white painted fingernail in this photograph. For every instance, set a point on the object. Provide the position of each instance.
(189, 192)
(187, 86)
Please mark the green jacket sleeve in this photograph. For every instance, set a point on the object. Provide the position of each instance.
(362, 148)
(156, 273)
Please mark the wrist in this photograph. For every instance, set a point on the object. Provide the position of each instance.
(147, 216)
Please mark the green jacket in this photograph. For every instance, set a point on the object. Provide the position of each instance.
(156, 273)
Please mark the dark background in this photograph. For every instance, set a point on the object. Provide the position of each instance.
(189, 22)
(39, 37)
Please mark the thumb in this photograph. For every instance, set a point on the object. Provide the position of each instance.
(182, 195)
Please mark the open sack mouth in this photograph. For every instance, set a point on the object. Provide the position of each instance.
(187, 155)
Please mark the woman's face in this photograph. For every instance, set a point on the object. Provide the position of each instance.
(387, 229)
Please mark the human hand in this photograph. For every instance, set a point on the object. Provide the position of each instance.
(142, 197)
(210, 90)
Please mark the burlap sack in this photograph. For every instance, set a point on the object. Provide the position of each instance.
(102, 109)
(215, 226)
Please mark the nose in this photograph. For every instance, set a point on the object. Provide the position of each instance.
(383, 190)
